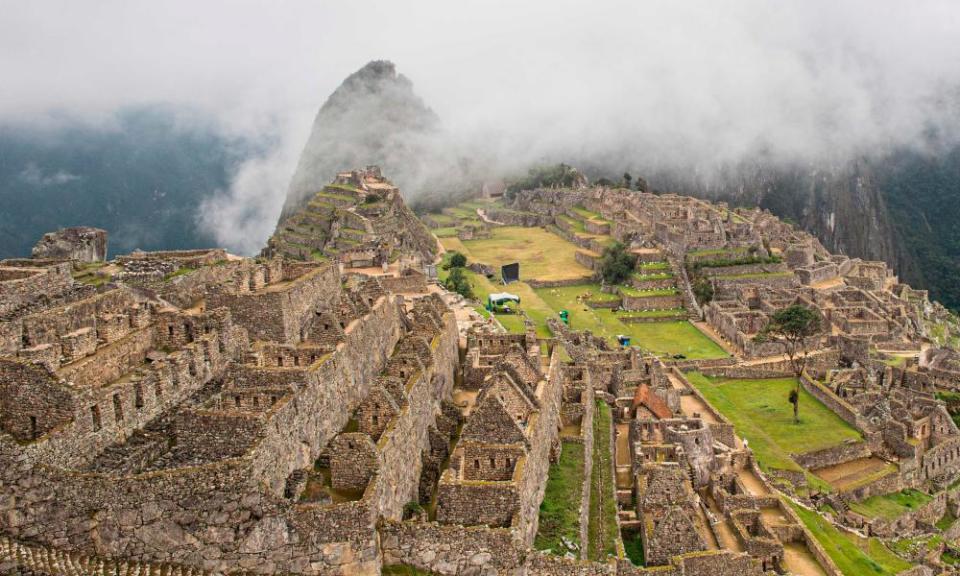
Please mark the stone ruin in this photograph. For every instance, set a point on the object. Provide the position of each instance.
(321, 410)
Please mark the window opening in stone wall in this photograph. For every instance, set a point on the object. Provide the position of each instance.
(138, 396)
(95, 417)
(33, 427)
(280, 361)
(117, 408)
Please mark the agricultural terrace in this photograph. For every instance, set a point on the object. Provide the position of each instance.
(853, 555)
(763, 416)
(546, 256)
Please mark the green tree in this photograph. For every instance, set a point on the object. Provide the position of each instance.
(703, 290)
(641, 185)
(627, 179)
(616, 264)
(457, 260)
(457, 282)
(792, 327)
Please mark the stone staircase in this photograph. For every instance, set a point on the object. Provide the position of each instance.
(43, 560)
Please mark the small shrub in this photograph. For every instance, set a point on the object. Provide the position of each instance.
(458, 260)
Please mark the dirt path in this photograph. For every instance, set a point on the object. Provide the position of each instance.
(827, 284)
(691, 405)
(727, 537)
(703, 526)
(798, 559)
(483, 216)
(753, 484)
(623, 444)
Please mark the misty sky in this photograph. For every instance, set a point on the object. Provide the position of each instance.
(711, 81)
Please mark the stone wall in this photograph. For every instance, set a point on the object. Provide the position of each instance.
(833, 455)
(281, 312)
(544, 432)
(665, 302)
(18, 286)
(154, 516)
(838, 405)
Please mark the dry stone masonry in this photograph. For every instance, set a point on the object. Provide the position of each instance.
(329, 408)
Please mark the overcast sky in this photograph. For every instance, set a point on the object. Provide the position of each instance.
(711, 80)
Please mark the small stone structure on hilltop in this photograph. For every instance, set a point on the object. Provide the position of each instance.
(358, 221)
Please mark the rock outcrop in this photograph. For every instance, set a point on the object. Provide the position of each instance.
(81, 243)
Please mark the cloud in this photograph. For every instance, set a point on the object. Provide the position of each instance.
(32, 175)
(619, 83)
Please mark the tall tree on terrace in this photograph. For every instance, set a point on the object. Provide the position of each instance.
(792, 327)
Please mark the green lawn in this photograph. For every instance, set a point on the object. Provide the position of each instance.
(645, 276)
(648, 267)
(853, 556)
(560, 509)
(668, 338)
(664, 338)
(602, 529)
(588, 215)
(762, 415)
(890, 506)
(530, 246)
(542, 255)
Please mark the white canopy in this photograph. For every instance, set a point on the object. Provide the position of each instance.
(498, 297)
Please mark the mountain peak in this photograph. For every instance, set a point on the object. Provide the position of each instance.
(373, 117)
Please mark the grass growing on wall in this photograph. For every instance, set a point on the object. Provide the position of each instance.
(602, 530)
(853, 556)
(891, 506)
(560, 509)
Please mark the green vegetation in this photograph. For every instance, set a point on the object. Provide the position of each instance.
(602, 530)
(791, 327)
(665, 313)
(633, 548)
(544, 177)
(616, 264)
(664, 338)
(89, 273)
(644, 277)
(588, 215)
(946, 521)
(630, 291)
(560, 509)
(457, 260)
(445, 232)
(652, 266)
(458, 282)
(758, 410)
(182, 271)
(852, 555)
(890, 506)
